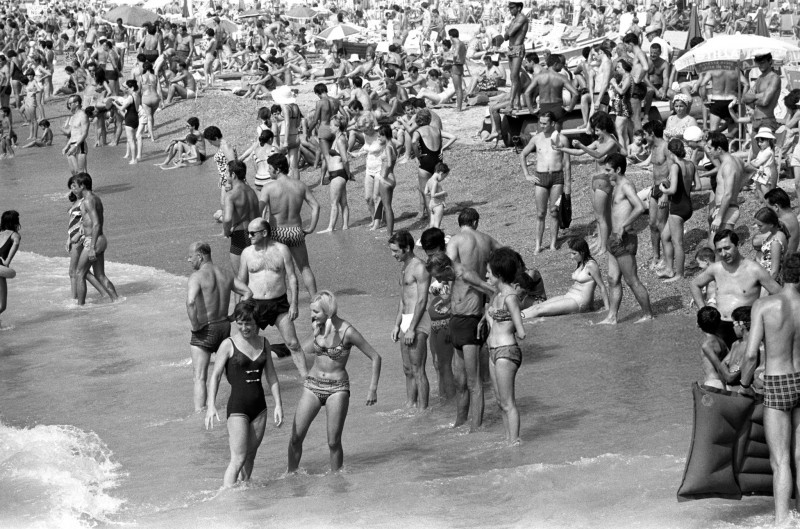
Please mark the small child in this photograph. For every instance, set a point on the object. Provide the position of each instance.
(713, 349)
(6, 134)
(704, 257)
(437, 195)
(638, 151)
(47, 137)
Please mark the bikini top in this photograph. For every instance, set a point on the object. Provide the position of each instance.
(501, 314)
(340, 352)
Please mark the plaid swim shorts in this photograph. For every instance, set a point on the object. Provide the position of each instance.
(782, 392)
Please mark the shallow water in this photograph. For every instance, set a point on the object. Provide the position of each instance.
(97, 426)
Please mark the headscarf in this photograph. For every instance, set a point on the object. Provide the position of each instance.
(683, 98)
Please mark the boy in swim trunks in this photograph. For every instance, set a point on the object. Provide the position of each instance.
(412, 324)
(776, 323)
(626, 207)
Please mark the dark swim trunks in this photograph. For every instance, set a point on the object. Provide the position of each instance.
(556, 108)
(211, 336)
(721, 109)
(639, 91)
(622, 246)
(239, 241)
(268, 310)
(550, 179)
(464, 330)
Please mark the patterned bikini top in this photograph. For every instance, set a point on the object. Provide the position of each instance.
(501, 314)
(340, 352)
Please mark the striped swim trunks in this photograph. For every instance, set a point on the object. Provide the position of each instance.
(782, 392)
(289, 235)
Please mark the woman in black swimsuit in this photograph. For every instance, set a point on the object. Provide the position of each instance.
(129, 109)
(327, 383)
(246, 358)
(679, 200)
(426, 143)
(9, 243)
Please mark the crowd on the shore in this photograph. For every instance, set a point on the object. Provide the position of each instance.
(471, 291)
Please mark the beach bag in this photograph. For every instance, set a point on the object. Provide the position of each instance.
(564, 211)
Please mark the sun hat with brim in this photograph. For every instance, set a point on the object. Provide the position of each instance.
(283, 95)
(765, 132)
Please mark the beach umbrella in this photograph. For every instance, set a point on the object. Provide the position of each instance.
(301, 13)
(131, 15)
(694, 27)
(226, 25)
(761, 24)
(252, 13)
(729, 51)
(339, 32)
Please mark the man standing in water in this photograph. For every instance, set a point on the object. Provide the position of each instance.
(76, 128)
(326, 108)
(730, 180)
(94, 242)
(413, 324)
(281, 201)
(552, 175)
(654, 133)
(469, 252)
(775, 321)
(268, 271)
(240, 207)
(626, 207)
(515, 35)
(207, 303)
(739, 281)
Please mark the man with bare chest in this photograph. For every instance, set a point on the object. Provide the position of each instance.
(515, 35)
(267, 269)
(413, 324)
(657, 209)
(240, 207)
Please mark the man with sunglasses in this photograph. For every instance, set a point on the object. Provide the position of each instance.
(76, 128)
(268, 270)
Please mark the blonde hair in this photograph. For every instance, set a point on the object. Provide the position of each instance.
(327, 303)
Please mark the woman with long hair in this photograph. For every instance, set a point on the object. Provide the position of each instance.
(247, 360)
(677, 197)
(327, 383)
(9, 244)
(338, 173)
(580, 296)
(129, 109)
(150, 101)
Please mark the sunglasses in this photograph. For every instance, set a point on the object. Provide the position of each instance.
(254, 233)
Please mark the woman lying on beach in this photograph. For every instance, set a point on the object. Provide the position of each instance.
(327, 383)
(580, 296)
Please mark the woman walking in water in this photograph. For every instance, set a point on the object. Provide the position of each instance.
(327, 383)
(505, 328)
(9, 243)
(246, 359)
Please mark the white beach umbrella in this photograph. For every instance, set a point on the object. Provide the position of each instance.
(339, 32)
(728, 51)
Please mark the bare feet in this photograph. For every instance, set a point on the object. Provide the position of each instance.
(646, 317)
(553, 247)
(608, 321)
(327, 230)
(538, 250)
(674, 278)
(665, 274)
(491, 137)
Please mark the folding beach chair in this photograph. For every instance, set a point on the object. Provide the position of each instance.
(787, 25)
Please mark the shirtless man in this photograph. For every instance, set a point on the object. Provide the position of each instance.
(267, 269)
(207, 302)
(413, 324)
(120, 36)
(626, 206)
(657, 208)
(95, 242)
(656, 78)
(460, 51)
(553, 175)
(600, 79)
(775, 321)
(468, 250)
(550, 84)
(724, 90)
(187, 90)
(764, 95)
(280, 203)
(738, 281)
(76, 128)
(503, 101)
(184, 46)
(515, 35)
(730, 179)
(639, 67)
(359, 94)
(239, 208)
(326, 108)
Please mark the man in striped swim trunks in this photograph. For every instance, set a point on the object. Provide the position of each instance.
(281, 202)
(775, 321)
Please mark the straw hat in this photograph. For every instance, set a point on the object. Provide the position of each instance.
(283, 95)
(765, 132)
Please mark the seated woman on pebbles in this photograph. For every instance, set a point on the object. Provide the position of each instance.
(580, 296)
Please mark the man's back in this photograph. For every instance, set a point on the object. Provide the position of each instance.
(471, 248)
(284, 198)
(215, 285)
(245, 205)
(780, 316)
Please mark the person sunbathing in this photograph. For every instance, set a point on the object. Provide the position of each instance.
(580, 296)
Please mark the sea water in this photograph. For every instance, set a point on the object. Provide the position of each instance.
(97, 429)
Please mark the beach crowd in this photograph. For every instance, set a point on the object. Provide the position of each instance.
(470, 300)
